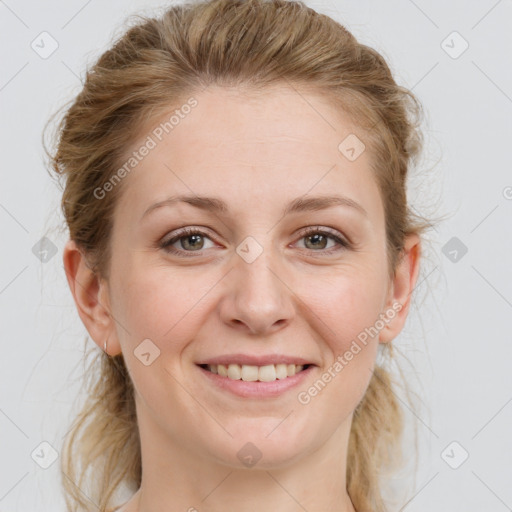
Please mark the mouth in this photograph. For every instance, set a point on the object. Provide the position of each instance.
(253, 373)
(256, 382)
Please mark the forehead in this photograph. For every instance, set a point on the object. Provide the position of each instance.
(261, 148)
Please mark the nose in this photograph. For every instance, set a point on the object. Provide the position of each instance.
(257, 299)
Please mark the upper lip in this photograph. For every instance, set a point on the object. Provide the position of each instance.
(253, 360)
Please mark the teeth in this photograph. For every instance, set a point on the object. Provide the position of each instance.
(250, 373)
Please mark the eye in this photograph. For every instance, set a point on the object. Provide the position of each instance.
(317, 238)
(192, 240)
(189, 238)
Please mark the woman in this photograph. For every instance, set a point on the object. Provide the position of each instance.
(241, 248)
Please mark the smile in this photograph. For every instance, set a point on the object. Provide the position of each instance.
(251, 373)
(255, 382)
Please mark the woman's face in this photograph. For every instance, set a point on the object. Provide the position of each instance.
(253, 284)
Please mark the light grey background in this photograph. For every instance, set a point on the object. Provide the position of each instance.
(458, 335)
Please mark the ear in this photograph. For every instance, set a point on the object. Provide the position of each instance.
(91, 296)
(401, 287)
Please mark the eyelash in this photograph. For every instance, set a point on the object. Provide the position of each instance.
(186, 232)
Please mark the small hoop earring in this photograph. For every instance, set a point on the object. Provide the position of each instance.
(105, 346)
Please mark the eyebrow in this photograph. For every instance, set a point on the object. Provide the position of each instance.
(301, 204)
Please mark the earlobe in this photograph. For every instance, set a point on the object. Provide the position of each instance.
(90, 294)
(401, 288)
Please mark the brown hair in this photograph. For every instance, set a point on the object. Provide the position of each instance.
(159, 62)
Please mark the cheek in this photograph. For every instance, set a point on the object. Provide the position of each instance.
(347, 318)
(346, 309)
(157, 304)
(353, 314)
(349, 306)
(160, 304)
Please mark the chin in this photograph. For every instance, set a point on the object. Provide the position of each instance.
(255, 448)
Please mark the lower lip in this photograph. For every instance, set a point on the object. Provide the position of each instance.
(256, 389)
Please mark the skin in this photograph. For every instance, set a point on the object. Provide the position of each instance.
(257, 153)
